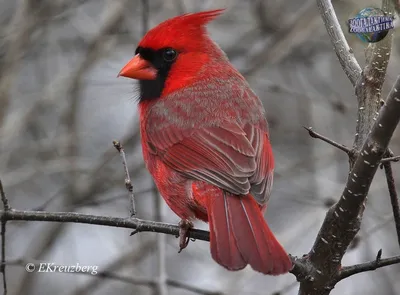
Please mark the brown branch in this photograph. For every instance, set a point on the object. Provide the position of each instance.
(138, 225)
(128, 182)
(342, 221)
(348, 271)
(391, 159)
(342, 49)
(393, 197)
(369, 87)
(333, 143)
(342, 147)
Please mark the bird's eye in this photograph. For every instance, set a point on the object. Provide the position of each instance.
(169, 54)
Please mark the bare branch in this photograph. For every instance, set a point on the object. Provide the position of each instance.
(193, 289)
(3, 237)
(343, 220)
(342, 147)
(391, 159)
(339, 42)
(333, 143)
(369, 86)
(4, 199)
(393, 197)
(132, 223)
(128, 182)
(348, 271)
(3, 255)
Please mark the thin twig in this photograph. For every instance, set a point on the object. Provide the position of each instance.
(391, 159)
(3, 255)
(4, 199)
(128, 182)
(348, 271)
(340, 146)
(3, 237)
(393, 197)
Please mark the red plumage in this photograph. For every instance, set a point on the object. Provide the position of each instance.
(205, 141)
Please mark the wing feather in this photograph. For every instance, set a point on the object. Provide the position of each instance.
(231, 150)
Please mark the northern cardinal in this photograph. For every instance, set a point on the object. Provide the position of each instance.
(205, 141)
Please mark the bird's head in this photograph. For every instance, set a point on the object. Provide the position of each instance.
(170, 55)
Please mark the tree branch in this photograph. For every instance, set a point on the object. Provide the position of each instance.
(342, 49)
(342, 221)
(3, 237)
(348, 271)
(391, 159)
(369, 86)
(128, 182)
(333, 143)
(133, 223)
(393, 196)
(350, 152)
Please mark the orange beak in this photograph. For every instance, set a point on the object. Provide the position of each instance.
(138, 68)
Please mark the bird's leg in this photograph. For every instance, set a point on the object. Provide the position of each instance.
(184, 227)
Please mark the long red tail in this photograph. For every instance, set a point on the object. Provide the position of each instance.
(239, 235)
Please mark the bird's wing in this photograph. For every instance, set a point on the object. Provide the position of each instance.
(238, 160)
(222, 155)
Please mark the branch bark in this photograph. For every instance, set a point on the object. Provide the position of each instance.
(369, 85)
(138, 225)
(393, 197)
(342, 49)
(343, 220)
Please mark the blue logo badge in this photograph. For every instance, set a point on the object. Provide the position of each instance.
(371, 24)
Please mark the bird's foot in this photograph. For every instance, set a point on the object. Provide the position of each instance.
(184, 227)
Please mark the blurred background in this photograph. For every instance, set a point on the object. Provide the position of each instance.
(61, 106)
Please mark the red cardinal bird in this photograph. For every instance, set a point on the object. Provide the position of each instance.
(205, 141)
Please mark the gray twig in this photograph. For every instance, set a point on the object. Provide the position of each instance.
(3, 237)
(128, 182)
(333, 143)
(342, 147)
(348, 271)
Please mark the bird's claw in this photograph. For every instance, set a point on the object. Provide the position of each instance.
(184, 227)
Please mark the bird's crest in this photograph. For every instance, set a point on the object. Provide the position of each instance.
(182, 32)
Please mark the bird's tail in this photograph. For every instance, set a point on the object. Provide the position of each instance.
(239, 235)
